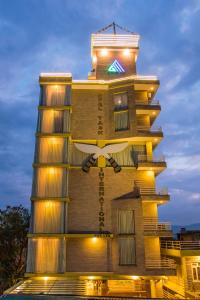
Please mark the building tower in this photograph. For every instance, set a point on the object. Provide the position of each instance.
(94, 226)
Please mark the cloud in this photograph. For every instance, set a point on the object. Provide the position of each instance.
(187, 14)
(19, 83)
(17, 187)
(187, 163)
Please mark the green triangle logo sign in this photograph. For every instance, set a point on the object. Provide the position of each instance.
(115, 67)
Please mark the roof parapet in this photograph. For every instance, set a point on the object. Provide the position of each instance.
(115, 40)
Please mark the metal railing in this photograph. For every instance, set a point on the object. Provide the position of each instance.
(152, 262)
(148, 158)
(163, 191)
(181, 245)
(151, 224)
(153, 129)
(156, 129)
(151, 191)
(142, 102)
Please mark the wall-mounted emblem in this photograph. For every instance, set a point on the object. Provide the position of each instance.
(96, 151)
(115, 67)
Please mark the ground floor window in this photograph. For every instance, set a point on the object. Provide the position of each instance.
(196, 271)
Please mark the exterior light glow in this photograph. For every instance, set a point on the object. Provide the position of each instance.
(104, 52)
(126, 52)
(153, 113)
(46, 278)
(155, 140)
(91, 277)
(53, 140)
(134, 277)
(48, 204)
(94, 59)
(150, 173)
(94, 239)
(52, 171)
(152, 88)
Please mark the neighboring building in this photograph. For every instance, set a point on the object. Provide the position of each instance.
(188, 235)
(95, 227)
(186, 252)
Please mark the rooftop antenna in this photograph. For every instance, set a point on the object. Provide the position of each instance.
(114, 26)
(114, 29)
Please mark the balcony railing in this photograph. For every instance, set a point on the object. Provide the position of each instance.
(142, 102)
(154, 129)
(181, 245)
(152, 262)
(151, 224)
(163, 191)
(146, 158)
(142, 191)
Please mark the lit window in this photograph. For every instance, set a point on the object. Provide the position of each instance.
(196, 271)
(121, 101)
(127, 251)
(121, 120)
(126, 222)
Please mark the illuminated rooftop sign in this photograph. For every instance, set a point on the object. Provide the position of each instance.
(115, 67)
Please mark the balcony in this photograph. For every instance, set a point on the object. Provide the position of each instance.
(144, 130)
(160, 265)
(180, 248)
(149, 194)
(153, 228)
(152, 262)
(181, 245)
(147, 105)
(156, 164)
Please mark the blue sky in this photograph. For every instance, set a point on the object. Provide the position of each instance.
(54, 35)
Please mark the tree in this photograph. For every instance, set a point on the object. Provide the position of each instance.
(14, 224)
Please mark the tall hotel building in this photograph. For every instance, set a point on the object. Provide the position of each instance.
(94, 206)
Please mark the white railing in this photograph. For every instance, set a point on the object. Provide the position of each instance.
(152, 262)
(148, 158)
(151, 224)
(181, 245)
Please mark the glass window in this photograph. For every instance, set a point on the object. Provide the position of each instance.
(127, 251)
(55, 95)
(121, 120)
(126, 222)
(51, 150)
(196, 271)
(53, 121)
(120, 101)
(50, 182)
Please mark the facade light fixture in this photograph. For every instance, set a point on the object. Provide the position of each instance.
(127, 52)
(134, 277)
(104, 52)
(94, 59)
